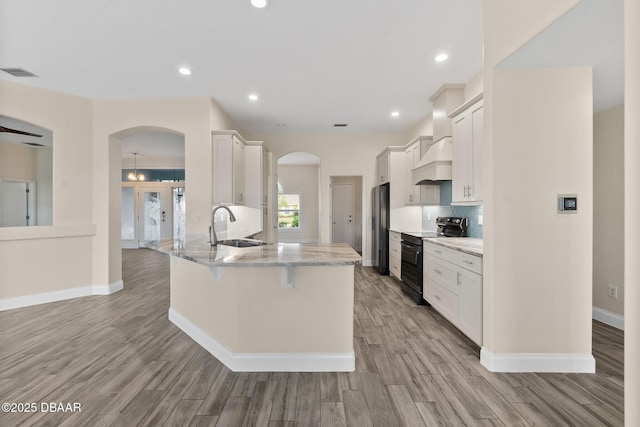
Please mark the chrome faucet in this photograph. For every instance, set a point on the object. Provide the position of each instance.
(212, 231)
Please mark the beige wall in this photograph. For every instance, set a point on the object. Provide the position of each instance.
(114, 120)
(537, 264)
(423, 127)
(608, 208)
(343, 154)
(302, 179)
(62, 252)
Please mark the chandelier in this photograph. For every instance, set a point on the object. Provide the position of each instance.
(134, 176)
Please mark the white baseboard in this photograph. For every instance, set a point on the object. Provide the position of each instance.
(537, 362)
(61, 295)
(108, 289)
(367, 263)
(608, 318)
(269, 362)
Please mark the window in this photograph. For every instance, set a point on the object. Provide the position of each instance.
(288, 211)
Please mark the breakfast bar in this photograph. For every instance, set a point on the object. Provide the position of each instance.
(276, 307)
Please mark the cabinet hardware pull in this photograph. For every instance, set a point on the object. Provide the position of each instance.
(437, 297)
(438, 271)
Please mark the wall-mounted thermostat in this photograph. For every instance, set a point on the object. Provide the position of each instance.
(567, 203)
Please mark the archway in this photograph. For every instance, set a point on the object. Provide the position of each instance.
(115, 173)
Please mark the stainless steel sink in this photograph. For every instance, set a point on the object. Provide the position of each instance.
(241, 243)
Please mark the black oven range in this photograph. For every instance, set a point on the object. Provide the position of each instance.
(412, 254)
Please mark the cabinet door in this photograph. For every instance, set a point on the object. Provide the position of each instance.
(409, 194)
(222, 169)
(238, 172)
(477, 120)
(470, 301)
(254, 176)
(461, 165)
(382, 168)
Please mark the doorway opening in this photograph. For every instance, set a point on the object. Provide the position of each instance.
(298, 198)
(346, 211)
(153, 188)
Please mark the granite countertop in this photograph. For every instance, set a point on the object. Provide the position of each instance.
(468, 245)
(197, 248)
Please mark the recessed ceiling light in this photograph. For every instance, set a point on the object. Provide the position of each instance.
(253, 97)
(442, 57)
(184, 71)
(395, 113)
(260, 4)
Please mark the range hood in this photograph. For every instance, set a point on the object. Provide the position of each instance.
(435, 165)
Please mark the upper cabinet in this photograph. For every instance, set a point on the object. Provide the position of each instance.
(418, 194)
(228, 164)
(390, 168)
(468, 126)
(257, 171)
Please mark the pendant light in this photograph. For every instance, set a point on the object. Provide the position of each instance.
(133, 176)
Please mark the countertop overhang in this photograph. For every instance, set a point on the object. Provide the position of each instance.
(196, 248)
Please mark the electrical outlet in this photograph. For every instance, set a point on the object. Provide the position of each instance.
(613, 292)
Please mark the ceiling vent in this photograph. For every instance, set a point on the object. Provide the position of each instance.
(18, 72)
(340, 125)
(34, 144)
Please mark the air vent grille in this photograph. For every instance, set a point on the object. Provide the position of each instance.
(18, 72)
(340, 125)
(34, 144)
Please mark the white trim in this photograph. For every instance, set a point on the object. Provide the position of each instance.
(367, 263)
(265, 362)
(537, 362)
(108, 289)
(61, 295)
(608, 318)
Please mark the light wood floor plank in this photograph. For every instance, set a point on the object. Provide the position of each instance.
(121, 358)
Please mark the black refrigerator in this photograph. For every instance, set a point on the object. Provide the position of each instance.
(380, 227)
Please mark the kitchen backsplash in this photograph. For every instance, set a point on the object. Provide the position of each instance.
(430, 213)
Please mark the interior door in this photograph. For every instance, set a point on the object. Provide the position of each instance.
(155, 215)
(342, 208)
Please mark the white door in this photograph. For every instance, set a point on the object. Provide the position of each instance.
(155, 216)
(342, 213)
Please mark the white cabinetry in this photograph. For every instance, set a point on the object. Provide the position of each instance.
(390, 168)
(418, 194)
(395, 254)
(255, 178)
(228, 164)
(466, 171)
(453, 286)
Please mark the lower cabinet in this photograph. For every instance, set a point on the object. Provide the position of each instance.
(453, 286)
(395, 254)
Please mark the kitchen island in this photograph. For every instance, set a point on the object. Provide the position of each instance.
(278, 307)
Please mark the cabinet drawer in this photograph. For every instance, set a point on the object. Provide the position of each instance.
(471, 263)
(441, 252)
(395, 237)
(442, 300)
(395, 250)
(395, 266)
(442, 272)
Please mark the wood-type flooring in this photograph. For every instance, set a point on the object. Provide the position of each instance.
(121, 359)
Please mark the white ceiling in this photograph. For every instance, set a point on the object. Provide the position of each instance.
(590, 34)
(313, 63)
